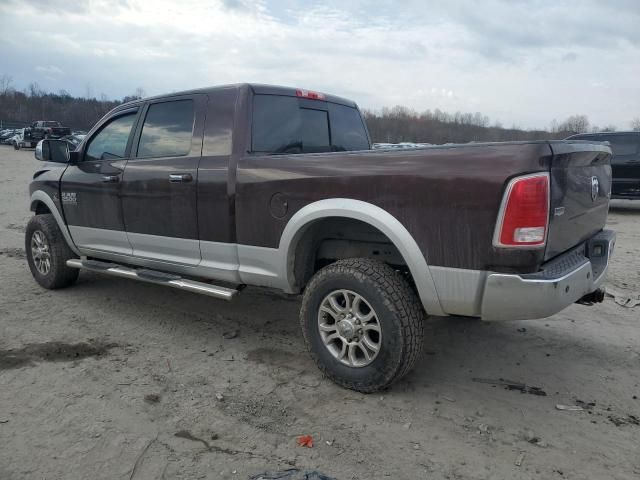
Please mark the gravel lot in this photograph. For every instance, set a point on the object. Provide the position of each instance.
(117, 379)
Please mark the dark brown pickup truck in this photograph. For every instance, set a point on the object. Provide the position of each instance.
(278, 187)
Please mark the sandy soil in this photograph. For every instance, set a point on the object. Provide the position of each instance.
(117, 379)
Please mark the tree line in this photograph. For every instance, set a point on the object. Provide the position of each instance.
(401, 124)
(33, 103)
(388, 125)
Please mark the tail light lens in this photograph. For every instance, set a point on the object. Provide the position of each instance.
(523, 220)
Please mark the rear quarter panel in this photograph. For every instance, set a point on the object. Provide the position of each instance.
(447, 197)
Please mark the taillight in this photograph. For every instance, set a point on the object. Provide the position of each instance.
(523, 220)
(310, 94)
(49, 130)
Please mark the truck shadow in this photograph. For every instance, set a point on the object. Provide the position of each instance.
(624, 207)
(260, 329)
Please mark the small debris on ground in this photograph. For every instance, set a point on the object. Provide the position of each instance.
(329, 442)
(305, 441)
(291, 474)
(219, 397)
(152, 398)
(4, 420)
(570, 408)
(533, 439)
(519, 459)
(624, 300)
(522, 330)
(407, 426)
(585, 405)
(230, 334)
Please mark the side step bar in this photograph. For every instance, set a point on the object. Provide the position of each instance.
(154, 276)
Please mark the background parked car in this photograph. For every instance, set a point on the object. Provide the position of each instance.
(625, 163)
(6, 135)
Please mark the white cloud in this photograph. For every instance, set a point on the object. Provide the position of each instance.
(518, 62)
(49, 70)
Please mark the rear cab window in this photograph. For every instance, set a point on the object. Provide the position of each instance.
(286, 125)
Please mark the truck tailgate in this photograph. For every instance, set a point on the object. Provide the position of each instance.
(580, 192)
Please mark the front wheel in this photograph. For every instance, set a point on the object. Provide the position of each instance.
(48, 252)
(362, 323)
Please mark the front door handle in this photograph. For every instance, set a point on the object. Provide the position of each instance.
(111, 178)
(180, 177)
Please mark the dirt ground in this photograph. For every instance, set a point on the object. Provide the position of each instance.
(116, 379)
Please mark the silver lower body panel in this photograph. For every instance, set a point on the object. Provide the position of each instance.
(567, 280)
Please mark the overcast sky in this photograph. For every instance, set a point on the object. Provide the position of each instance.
(519, 62)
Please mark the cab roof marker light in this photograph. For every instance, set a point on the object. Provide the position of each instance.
(309, 94)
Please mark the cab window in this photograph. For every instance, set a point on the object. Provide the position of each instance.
(111, 142)
(167, 129)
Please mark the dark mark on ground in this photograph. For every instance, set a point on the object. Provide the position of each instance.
(620, 421)
(229, 451)
(187, 435)
(51, 352)
(13, 226)
(511, 385)
(14, 252)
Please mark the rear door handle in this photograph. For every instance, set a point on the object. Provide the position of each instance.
(180, 177)
(111, 179)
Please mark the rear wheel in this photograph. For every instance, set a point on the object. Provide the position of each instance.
(362, 323)
(48, 252)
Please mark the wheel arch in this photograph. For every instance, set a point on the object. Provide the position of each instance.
(41, 203)
(375, 217)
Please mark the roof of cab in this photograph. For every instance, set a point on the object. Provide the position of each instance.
(255, 87)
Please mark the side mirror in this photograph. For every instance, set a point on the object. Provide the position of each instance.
(53, 151)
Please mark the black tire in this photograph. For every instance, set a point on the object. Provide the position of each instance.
(58, 274)
(399, 312)
(16, 146)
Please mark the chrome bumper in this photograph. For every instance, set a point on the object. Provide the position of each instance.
(560, 283)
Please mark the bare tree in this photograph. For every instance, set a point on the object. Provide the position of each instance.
(635, 124)
(5, 84)
(34, 90)
(576, 124)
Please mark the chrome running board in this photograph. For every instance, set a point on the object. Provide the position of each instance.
(153, 276)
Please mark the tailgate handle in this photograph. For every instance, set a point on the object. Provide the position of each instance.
(180, 177)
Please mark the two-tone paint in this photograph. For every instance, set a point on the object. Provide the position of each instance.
(239, 216)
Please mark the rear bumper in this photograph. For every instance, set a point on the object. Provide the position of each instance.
(562, 281)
